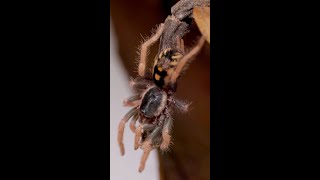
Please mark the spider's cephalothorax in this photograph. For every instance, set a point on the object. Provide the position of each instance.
(153, 101)
(151, 108)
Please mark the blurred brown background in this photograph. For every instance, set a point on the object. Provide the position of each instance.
(189, 157)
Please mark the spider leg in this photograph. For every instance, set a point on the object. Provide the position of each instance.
(139, 83)
(139, 131)
(137, 137)
(166, 134)
(132, 101)
(133, 123)
(122, 123)
(147, 146)
(144, 50)
(185, 59)
(180, 44)
(181, 105)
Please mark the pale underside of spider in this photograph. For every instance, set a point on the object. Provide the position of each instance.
(153, 102)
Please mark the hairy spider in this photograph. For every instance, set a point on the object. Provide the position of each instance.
(153, 102)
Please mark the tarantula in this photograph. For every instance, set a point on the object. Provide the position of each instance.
(153, 102)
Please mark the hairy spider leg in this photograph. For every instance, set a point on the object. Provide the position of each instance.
(144, 50)
(185, 59)
(147, 147)
(180, 44)
(181, 105)
(137, 137)
(166, 137)
(139, 131)
(146, 151)
(139, 83)
(132, 101)
(133, 122)
(122, 123)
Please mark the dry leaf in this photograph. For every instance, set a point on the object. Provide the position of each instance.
(202, 18)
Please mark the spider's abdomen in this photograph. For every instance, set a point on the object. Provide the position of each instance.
(164, 66)
(158, 76)
(153, 102)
